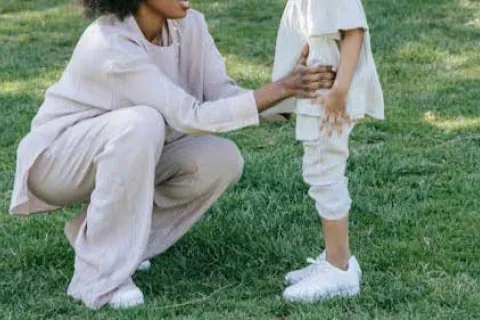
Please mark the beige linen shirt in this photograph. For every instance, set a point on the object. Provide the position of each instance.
(113, 66)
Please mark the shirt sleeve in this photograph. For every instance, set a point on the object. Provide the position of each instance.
(141, 82)
(327, 16)
(217, 82)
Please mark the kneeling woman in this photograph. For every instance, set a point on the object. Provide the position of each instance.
(114, 133)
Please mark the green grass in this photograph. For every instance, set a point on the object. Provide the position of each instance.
(414, 178)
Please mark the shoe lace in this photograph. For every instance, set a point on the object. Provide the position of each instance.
(321, 265)
(316, 260)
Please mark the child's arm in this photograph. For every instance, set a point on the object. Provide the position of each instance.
(335, 101)
(349, 54)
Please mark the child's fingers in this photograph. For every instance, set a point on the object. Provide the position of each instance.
(339, 124)
(331, 126)
(323, 125)
(324, 121)
(347, 119)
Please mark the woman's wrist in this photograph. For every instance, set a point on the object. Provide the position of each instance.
(270, 95)
(284, 90)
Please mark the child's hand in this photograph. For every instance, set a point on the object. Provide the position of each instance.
(335, 115)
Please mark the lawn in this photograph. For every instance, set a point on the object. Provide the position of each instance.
(414, 178)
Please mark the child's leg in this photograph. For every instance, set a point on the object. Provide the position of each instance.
(324, 168)
(338, 274)
(337, 242)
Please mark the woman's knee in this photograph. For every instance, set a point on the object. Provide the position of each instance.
(146, 122)
(234, 162)
(143, 126)
(221, 160)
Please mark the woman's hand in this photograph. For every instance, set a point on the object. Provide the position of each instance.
(304, 81)
(335, 114)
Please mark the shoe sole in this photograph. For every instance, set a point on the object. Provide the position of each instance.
(290, 282)
(346, 293)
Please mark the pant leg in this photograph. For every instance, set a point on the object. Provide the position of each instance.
(191, 175)
(324, 165)
(109, 161)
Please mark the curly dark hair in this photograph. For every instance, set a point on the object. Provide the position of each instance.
(120, 8)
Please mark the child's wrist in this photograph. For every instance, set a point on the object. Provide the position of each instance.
(340, 89)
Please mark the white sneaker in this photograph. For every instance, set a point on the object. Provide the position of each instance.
(144, 266)
(127, 296)
(327, 282)
(296, 276)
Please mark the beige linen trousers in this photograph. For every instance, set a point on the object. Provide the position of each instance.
(143, 194)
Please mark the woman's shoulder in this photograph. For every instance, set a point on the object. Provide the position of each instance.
(109, 32)
(109, 39)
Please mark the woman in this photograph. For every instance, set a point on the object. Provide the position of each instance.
(112, 133)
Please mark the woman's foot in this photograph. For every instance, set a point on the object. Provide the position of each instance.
(127, 296)
(326, 282)
(144, 266)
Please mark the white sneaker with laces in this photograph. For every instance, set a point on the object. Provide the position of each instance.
(327, 282)
(127, 296)
(300, 274)
(296, 276)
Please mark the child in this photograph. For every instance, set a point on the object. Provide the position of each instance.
(337, 34)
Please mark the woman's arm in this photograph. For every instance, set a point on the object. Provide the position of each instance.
(142, 83)
(219, 85)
